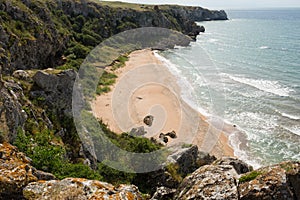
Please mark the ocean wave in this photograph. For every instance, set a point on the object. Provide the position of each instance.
(290, 116)
(265, 85)
(187, 90)
(264, 47)
(295, 130)
(212, 40)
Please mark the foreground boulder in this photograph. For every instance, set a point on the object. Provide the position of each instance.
(209, 182)
(16, 172)
(183, 160)
(280, 181)
(75, 188)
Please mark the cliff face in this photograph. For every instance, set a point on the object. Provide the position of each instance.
(35, 34)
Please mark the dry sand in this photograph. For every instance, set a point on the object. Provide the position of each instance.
(144, 87)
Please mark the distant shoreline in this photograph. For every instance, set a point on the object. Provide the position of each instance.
(160, 97)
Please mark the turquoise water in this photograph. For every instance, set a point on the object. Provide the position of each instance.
(247, 71)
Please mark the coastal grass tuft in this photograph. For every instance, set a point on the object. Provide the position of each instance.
(249, 177)
(173, 170)
(106, 80)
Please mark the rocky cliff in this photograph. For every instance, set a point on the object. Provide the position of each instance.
(36, 34)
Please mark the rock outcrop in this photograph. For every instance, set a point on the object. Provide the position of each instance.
(12, 115)
(209, 182)
(280, 181)
(16, 172)
(182, 161)
(239, 166)
(75, 188)
(56, 89)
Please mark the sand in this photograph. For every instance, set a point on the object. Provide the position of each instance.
(145, 86)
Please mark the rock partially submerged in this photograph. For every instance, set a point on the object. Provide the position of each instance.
(77, 188)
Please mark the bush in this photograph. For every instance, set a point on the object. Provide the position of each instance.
(79, 171)
(115, 176)
(249, 177)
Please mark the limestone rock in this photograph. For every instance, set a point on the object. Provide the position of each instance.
(16, 172)
(185, 160)
(274, 182)
(76, 188)
(209, 182)
(56, 89)
(22, 75)
(163, 193)
(12, 115)
(240, 166)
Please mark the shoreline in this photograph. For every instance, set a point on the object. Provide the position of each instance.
(145, 86)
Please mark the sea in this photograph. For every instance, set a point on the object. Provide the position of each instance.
(246, 71)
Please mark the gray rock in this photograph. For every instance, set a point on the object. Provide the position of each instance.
(22, 75)
(12, 115)
(240, 166)
(77, 188)
(163, 193)
(274, 182)
(56, 89)
(139, 131)
(184, 160)
(209, 182)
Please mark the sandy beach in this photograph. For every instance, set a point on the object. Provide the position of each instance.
(145, 87)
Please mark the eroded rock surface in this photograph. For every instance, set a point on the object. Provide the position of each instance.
(76, 188)
(240, 166)
(209, 182)
(16, 172)
(274, 182)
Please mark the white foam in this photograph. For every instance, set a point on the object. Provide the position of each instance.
(265, 85)
(241, 154)
(187, 89)
(290, 116)
(264, 47)
(294, 130)
(212, 40)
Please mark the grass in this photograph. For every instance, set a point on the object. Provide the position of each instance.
(173, 170)
(119, 62)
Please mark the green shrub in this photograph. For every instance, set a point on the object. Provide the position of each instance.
(250, 176)
(78, 170)
(102, 89)
(115, 176)
(173, 170)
